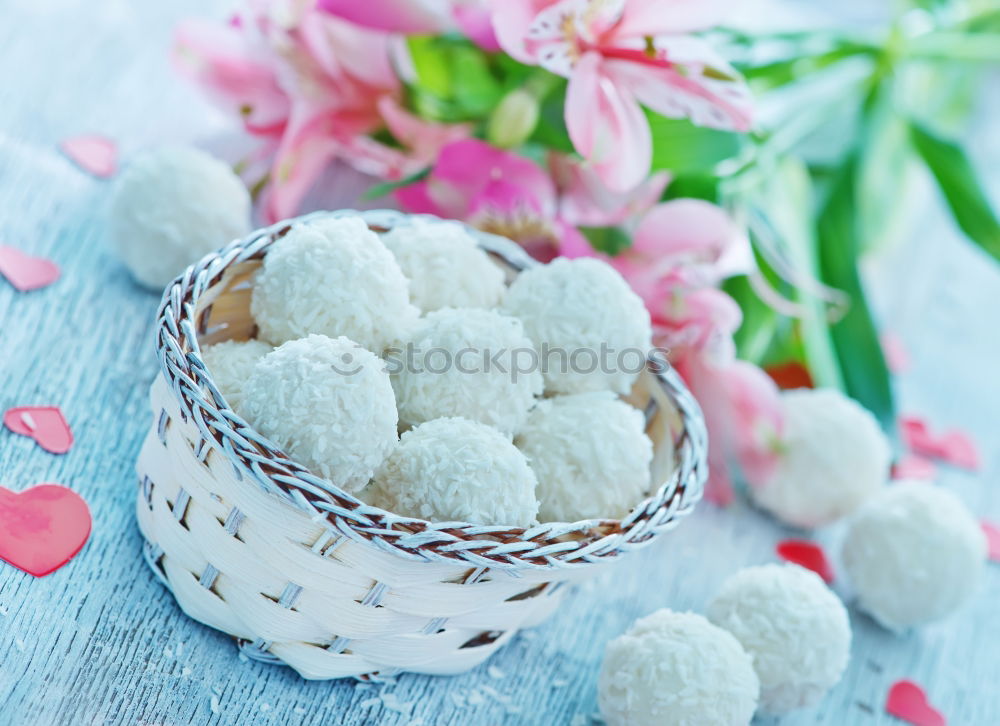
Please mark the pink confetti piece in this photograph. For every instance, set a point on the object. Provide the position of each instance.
(53, 524)
(25, 272)
(806, 554)
(45, 424)
(897, 358)
(95, 154)
(955, 446)
(908, 702)
(912, 466)
(992, 533)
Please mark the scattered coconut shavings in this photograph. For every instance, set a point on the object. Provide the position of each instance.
(495, 672)
(392, 702)
(243, 658)
(185, 672)
(418, 721)
(214, 704)
(3, 611)
(513, 708)
(458, 699)
(579, 719)
(19, 644)
(476, 698)
(168, 652)
(370, 702)
(265, 707)
(298, 710)
(216, 690)
(559, 683)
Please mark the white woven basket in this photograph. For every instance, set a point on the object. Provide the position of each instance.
(300, 572)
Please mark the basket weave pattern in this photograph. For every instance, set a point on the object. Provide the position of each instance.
(300, 572)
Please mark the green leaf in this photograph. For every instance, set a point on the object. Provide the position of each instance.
(757, 332)
(978, 47)
(855, 339)
(788, 199)
(430, 64)
(475, 89)
(610, 240)
(694, 186)
(681, 147)
(551, 131)
(385, 188)
(782, 72)
(957, 181)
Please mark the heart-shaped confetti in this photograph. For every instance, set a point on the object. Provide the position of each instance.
(908, 702)
(95, 154)
(956, 447)
(45, 424)
(912, 466)
(992, 533)
(25, 272)
(42, 528)
(806, 554)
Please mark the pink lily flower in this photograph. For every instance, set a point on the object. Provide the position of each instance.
(496, 191)
(314, 88)
(621, 55)
(422, 17)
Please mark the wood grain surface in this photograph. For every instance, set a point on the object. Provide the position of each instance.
(100, 642)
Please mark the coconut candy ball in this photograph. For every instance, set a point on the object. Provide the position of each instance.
(328, 404)
(590, 454)
(454, 469)
(445, 266)
(229, 363)
(332, 277)
(578, 312)
(468, 362)
(676, 669)
(914, 554)
(793, 626)
(172, 206)
(834, 457)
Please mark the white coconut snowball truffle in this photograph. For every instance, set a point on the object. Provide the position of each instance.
(575, 309)
(914, 554)
(172, 206)
(468, 362)
(834, 457)
(676, 669)
(332, 277)
(590, 454)
(328, 404)
(793, 626)
(445, 266)
(454, 469)
(229, 364)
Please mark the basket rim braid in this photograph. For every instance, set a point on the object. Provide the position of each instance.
(549, 545)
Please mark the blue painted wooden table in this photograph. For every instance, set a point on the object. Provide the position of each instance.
(100, 642)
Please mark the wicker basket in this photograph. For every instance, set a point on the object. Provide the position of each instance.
(300, 572)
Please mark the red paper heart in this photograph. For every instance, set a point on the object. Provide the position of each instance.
(908, 702)
(912, 466)
(92, 153)
(807, 554)
(45, 424)
(956, 447)
(42, 528)
(26, 272)
(992, 533)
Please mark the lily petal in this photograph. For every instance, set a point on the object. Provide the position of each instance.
(607, 126)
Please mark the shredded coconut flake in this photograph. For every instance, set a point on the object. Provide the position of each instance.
(590, 454)
(792, 625)
(581, 305)
(445, 266)
(332, 277)
(327, 403)
(453, 469)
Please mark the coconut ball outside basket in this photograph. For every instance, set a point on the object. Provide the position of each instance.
(299, 571)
